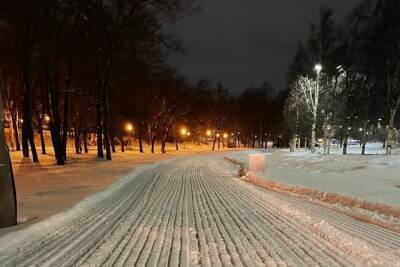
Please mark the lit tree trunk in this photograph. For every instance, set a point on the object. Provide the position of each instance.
(14, 115)
(313, 126)
(152, 141)
(12, 107)
(40, 130)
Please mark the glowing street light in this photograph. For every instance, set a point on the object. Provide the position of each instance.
(129, 127)
(318, 68)
(188, 133)
(46, 118)
(208, 133)
(225, 135)
(184, 131)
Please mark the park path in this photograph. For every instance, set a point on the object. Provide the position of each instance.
(196, 211)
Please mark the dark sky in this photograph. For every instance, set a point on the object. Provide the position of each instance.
(245, 42)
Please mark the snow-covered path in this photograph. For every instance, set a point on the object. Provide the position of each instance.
(195, 211)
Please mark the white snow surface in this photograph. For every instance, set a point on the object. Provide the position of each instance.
(196, 211)
(374, 177)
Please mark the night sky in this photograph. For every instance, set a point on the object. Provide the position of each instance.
(243, 43)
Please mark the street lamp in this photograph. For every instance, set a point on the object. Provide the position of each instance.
(183, 131)
(208, 134)
(318, 68)
(225, 136)
(129, 129)
(46, 118)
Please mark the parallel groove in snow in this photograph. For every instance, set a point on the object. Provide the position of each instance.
(192, 212)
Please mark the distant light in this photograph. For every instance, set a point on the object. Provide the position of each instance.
(349, 128)
(129, 127)
(361, 129)
(46, 118)
(188, 134)
(208, 133)
(21, 121)
(183, 131)
(318, 68)
(225, 135)
(217, 134)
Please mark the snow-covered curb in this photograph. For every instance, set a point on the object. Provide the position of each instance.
(379, 214)
(376, 213)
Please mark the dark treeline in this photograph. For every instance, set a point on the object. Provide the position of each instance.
(85, 68)
(359, 86)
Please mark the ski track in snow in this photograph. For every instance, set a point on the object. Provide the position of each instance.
(195, 211)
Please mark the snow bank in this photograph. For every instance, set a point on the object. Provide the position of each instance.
(362, 186)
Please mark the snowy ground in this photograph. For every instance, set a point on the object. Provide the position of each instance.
(374, 177)
(195, 211)
(45, 189)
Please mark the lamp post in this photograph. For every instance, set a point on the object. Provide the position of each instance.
(184, 132)
(208, 133)
(129, 129)
(225, 138)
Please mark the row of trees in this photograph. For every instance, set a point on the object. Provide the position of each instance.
(83, 65)
(354, 90)
(85, 68)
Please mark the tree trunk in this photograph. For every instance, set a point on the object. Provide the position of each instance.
(140, 136)
(27, 130)
(215, 140)
(293, 143)
(389, 137)
(16, 132)
(42, 141)
(152, 141)
(99, 117)
(122, 143)
(313, 126)
(78, 148)
(345, 144)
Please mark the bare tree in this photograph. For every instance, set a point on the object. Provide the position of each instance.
(311, 91)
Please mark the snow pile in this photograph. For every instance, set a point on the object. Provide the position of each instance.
(366, 187)
(373, 177)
